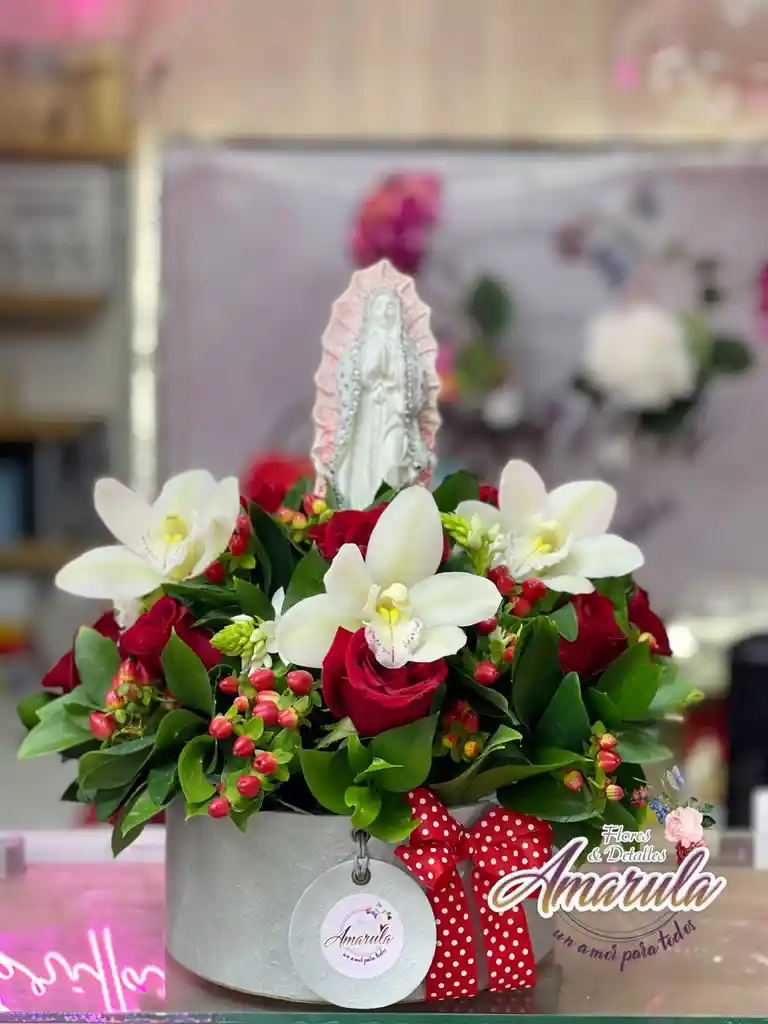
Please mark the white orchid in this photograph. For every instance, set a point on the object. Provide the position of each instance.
(177, 537)
(558, 537)
(409, 613)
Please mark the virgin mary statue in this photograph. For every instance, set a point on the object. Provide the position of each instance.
(383, 441)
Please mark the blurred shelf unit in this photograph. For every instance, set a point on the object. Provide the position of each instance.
(40, 557)
(48, 309)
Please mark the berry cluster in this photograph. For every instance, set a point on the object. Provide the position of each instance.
(460, 734)
(315, 510)
(129, 701)
(606, 760)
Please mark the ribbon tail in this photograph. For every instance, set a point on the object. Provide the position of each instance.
(508, 948)
(453, 971)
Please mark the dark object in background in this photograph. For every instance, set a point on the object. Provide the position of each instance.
(747, 727)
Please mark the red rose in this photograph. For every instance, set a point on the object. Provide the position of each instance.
(352, 527)
(490, 495)
(396, 220)
(270, 477)
(64, 675)
(146, 639)
(600, 640)
(374, 697)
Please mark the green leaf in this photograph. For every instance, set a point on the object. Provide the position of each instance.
(479, 367)
(177, 728)
(563, 832)
(731, 355)
(28, 709)
(617, 589)
(603, 708)
(254, 727)
(328, 777)
(201, 594)
(670, 419)
(547, 797)
(121, 842)
(186, 676)
(488, 695)
(410, 747)
(341, 730)
(141, 811)
(276, 547)
(307, 580)
(490, 306)
(192, 775)
(618, 813)
(97, 661)
(116, 766)
(253, 600)
(672, 694)
(454, 791)
(359, 756)
(366, 803)
(473, 785)
(107, 802)
(53, 734)
(640, 746)
(376, 765)
(457, 487)
(395, 820)
(708, 821)
(76, 701)
(161, 782)
(565, 723)
(297, 493)
(631, 682)
(536, 671)
(567, 622)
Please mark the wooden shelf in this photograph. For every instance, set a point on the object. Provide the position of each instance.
(49, 308)
(117, 151)
(29, 429)
(40, 557)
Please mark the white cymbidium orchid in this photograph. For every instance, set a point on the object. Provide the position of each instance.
(187, 527)
(409, 612)
(558, 537)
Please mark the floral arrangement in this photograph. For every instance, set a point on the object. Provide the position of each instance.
(485, 643)
(684, 823)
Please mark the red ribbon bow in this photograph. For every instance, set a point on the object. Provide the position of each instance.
(499, 843)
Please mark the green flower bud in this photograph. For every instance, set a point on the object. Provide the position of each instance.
(235, 638)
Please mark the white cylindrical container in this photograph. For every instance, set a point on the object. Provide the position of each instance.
(230, 895)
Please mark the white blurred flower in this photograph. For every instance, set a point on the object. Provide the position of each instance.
(639, 357)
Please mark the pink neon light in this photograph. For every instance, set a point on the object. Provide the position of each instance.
(115, 982)
(625, 73)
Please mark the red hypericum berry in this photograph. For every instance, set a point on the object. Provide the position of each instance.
(243, 746)
(267, 711)
(486, 673)
(215, 573)
(472, 722)
(285, 514)
(262, 679)
(472, 748)
(218, 807)
(533, 589)
(574, 780)
(238, 544)
(314, 505)
(102, 726)
(268, 695)
(299, 681)
(299, 522)
(614, 792)
(220, 727)
(241, 704)
(519, 606)
(288, 718)
(486, 626)
(607, 741)
(265, 763)
(608, 760)
(502, 579)
(113, 700)
(248, 786)
(229, 685)
(509, 652)
(243, 524)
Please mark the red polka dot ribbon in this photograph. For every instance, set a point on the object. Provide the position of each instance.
(500, 842)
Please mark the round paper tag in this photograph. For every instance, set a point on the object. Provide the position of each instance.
(363, 946)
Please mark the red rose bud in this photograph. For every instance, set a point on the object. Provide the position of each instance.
(248, 786)
(243, 746)
(218, 807)
(486, 673)
(533, 589)
(614, 792)
(519, 606)
(220, 727)
(285, 515)
(300, 682)
(113, 700)
(241, 704)
(262, 679)
(229, 685)
(574, 780)
(102, 726)
(471, 722)
(608, 761)
(607, 741)
(486, 626)
(238, 544)
(267, 711)
(288, 718)
(472, 748)
(265, 763)
(243, 524)
(502, 580)
(215, 573)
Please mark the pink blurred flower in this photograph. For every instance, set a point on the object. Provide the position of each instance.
(684, 825)
(445, 359)
(396, 220)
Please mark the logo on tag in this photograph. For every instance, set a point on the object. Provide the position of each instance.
(362, 936)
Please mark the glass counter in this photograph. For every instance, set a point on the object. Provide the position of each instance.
(81, 937)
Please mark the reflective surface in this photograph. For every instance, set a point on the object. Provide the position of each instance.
(88, 938)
